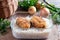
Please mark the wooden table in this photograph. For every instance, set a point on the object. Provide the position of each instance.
(7, 36)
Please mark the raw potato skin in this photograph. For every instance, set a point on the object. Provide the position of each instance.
(22, 22)
(32, 10)
(44, 12)
(38, 22)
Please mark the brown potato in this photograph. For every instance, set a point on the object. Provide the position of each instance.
(44, 12)
(32, 10)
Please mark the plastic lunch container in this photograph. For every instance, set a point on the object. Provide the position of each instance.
(31, 33)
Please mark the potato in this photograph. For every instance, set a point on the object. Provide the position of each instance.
(32, 10)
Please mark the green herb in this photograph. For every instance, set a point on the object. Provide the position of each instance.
(3, 24)
(55, 13)
(25, 4)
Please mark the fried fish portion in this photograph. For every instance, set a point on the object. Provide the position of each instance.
(38, 22)
(22, 22)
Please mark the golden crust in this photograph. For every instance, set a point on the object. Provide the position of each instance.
(22, 22)
(38, 22)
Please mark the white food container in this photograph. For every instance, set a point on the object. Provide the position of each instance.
(31, 33)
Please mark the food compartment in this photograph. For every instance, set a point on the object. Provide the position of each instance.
(30, 33)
